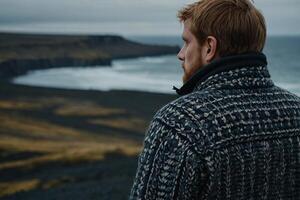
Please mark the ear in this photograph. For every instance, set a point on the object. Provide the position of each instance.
(210, 49)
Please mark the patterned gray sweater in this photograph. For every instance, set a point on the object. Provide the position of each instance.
(232, 135)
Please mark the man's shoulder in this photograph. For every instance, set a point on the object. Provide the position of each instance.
(185, 105)
(189, 112)
(202, 107)
(187, 117)
(203, 119)
(286, 93)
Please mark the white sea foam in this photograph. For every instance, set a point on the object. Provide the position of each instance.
(100, 78)
(155, 60)
(290, 86)
(154, 74)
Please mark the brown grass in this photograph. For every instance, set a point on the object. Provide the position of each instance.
(16, 105)
(56, 143)
(130, 124)
(87, 109)
(8, 188)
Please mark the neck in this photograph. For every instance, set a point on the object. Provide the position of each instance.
(222, 64)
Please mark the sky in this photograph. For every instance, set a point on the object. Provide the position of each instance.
(125, 17)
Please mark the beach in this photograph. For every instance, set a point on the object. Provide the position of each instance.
(71, 144)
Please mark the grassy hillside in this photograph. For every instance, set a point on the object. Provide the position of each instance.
(71, 144)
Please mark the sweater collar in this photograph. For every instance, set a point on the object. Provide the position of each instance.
(236, 66)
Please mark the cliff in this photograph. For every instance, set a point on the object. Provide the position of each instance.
(20, 53)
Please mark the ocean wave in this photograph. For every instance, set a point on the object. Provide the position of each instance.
(289, 85)
(143, 63)
(103, 79)
(154, 60)
(124, 66)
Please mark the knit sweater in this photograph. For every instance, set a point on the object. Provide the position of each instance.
(233, 134)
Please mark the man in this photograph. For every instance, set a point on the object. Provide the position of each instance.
(233, 134)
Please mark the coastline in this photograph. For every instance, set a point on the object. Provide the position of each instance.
(73, 144)
(70, 143)
(21, 52)
(57, 142)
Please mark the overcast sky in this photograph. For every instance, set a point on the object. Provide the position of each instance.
(126, 17)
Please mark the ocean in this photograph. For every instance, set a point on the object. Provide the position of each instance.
(161, 73)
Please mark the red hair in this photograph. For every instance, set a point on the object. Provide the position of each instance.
(236, 24)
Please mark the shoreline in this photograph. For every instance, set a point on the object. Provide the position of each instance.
(20, 53)
(116, 77)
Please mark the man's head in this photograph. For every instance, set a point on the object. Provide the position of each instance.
(218, 28)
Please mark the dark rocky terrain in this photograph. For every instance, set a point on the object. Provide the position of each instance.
(20, 53)
(58, 144)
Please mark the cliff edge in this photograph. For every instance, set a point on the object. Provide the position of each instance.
(20, 53)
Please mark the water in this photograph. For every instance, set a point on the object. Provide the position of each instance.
(159, 74)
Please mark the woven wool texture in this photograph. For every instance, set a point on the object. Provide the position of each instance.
(236, 136)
